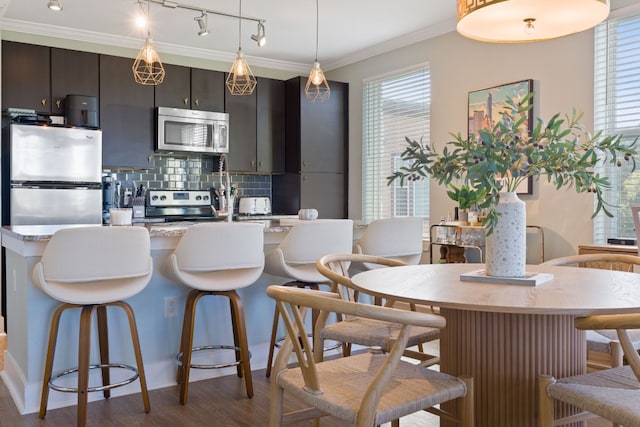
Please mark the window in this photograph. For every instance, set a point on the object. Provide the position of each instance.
(617, 111)
(394, 107)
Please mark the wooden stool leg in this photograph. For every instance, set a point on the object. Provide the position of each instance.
(103, 341)
(272, 342)
(234, 326)
(188, 309)
(135, 341)
(84, 349)
(51, 349)
(187, 342)
(240, 330)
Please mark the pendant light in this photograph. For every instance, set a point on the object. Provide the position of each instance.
(147, 68)
(240, 80)
(317, 88)
(518, 21)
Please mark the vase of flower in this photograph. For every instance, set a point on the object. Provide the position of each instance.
(506, 247)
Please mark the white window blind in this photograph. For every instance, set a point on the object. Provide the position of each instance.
(617, 111)
(394, 107)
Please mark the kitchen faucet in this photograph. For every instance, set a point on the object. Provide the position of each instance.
(225, 197)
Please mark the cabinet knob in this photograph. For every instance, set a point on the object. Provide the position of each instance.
(253, 163)
(43, 101)
(196, 102)
(305, 163)
(304, 178)
(186, 101)
(260, 164)
(58, 103)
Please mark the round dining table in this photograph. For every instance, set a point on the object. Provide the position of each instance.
(506, 335)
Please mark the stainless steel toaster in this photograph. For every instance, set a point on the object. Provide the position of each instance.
(254, 206)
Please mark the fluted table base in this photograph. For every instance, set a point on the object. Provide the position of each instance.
(505, 353)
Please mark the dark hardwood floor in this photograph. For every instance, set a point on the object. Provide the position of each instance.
(218, 402)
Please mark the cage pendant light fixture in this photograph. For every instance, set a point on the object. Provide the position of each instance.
(317, 88)
(240, 80)
(520, 21)
(147, 68)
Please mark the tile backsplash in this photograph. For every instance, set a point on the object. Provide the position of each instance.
(191, 173)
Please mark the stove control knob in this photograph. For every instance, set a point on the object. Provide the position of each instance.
(205, 198)
(163, 197)
(198, 197)
(154, 198)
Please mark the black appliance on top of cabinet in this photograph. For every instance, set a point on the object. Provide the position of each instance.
(81, 111)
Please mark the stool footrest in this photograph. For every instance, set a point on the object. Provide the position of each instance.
(98, 388)
(337, 344)
(212, 347)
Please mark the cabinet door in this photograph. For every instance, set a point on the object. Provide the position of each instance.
(207, 90)
(242, 132)
(270, 125)
(175, 90)
(323, 128)
(324, 192)
(126, 110)
(72, 73)
(26, 77)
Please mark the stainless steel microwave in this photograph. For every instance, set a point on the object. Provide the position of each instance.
(192, 131)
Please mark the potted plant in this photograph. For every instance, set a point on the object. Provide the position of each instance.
(499, 159)
(467, 198)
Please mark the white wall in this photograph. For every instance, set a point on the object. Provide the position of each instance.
(562, 71)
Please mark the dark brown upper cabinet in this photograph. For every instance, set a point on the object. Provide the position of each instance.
(242, 131)
(270, 126)
(207, 90)
(175, 90)
(26, 76)
(72, 73)
(126, 116)
(316, 133)
(191, 88)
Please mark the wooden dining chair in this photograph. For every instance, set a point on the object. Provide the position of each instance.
(603, 349)
(362, 331)
(367, 389)
(612, 394)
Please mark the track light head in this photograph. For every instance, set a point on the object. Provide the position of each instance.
(202, 24)
(55, 5)
(259, 37)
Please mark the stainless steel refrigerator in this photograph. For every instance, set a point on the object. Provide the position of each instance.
(53, 176)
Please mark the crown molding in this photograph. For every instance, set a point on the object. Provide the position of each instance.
(393, 44)
(135, 43)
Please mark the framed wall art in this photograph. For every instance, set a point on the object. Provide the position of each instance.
(485, 108)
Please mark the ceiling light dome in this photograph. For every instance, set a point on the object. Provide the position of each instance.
(507, 21)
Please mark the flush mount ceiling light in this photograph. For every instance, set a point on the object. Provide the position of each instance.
(518, 21)
(240, 80)
(202, 24)
(147, 68)
(259, 37)
(317, 88)
(55, 5)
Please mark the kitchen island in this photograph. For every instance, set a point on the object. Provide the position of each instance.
(29, 312)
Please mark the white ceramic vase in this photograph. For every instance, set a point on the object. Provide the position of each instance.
(506, 250)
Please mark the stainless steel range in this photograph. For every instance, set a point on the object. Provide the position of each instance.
(180, 205)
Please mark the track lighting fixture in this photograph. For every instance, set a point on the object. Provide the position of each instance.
(202, 24)
(259, 37)
(55, 5)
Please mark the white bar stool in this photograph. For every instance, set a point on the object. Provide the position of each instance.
(217, 259)
(296, 255)
(74, 270)
(397, 238)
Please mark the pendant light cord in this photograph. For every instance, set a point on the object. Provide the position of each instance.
(240, 27)
(317, 25)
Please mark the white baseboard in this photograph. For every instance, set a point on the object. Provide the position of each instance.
(26, 395)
